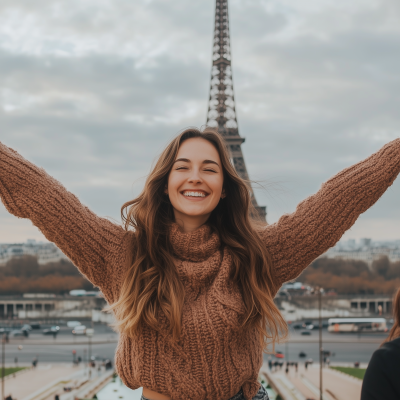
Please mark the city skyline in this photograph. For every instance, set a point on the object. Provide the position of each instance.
(92, 92)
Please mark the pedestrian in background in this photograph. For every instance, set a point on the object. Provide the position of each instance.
(382, 378)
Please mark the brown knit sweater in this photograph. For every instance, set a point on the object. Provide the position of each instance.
(213, 360)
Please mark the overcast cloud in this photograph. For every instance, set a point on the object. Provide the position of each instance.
(92, 90)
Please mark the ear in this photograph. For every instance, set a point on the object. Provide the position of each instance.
(223, 194)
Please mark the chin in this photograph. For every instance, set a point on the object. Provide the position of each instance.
(194, 213)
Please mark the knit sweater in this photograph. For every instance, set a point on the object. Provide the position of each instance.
(213, 359)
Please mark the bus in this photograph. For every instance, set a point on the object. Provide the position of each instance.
(339, 325)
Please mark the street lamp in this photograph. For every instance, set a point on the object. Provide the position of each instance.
(89, 334)
(320, 290)
(3, 368)
(85, 359)
(74, 357)
(287, 348)
(287, 352)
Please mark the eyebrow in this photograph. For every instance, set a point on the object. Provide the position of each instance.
(204, 162)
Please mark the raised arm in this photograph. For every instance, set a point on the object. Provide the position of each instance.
(321, 220)
(92, 243)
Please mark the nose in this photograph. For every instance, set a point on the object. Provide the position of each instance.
(195, 176)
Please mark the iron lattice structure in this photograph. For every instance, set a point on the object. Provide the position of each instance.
(221, 107)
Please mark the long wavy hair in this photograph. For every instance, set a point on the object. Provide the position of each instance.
(394, 332)
(152, 287)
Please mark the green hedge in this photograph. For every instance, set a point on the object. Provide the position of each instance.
(9, 371)
(356, 372)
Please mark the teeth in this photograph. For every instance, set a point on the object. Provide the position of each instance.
(194, 194)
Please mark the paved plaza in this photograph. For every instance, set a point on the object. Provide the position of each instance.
(25, 385)
(304, 384)
(48, 380)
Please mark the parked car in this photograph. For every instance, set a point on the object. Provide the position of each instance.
(73, 324)
(19, 332)
(315, 325)
(26, 327)
(79, 330)
(279, 354)
(51, 331)
(306, 333)
(302, 354)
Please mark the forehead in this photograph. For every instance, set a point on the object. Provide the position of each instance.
(198, 149)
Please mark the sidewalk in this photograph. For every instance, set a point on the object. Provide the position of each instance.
(336, 384)
(304, 384)
(25, 385)
(282, 385)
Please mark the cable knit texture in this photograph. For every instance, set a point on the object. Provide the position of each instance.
(213, 359)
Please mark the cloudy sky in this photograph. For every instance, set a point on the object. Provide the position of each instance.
(92, 90)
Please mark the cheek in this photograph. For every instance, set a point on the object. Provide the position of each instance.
(173, 183)
(216, 186)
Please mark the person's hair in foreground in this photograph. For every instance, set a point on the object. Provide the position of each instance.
(395, 329)
(152, 283)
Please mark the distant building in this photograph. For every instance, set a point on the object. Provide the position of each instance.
(365, 250)
(39, 306)
(45, 252)
(295, 308)
(365, 242)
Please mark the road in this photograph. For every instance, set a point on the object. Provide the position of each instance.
(347, 348)
(59, 349)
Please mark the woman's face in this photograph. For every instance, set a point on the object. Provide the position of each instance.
(195, 183)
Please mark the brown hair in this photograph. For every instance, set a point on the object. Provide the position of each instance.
(152, 285)
(395, 330)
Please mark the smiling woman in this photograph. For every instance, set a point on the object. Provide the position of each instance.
(194, 194)
(190, 276)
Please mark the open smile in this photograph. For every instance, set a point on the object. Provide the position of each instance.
(194, 194)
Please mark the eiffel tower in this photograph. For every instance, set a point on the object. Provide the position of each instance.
(221, 105)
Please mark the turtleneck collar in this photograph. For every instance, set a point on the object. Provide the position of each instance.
(194, 246)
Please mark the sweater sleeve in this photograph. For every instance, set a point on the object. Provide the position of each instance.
(92, 243)
(321, 220)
